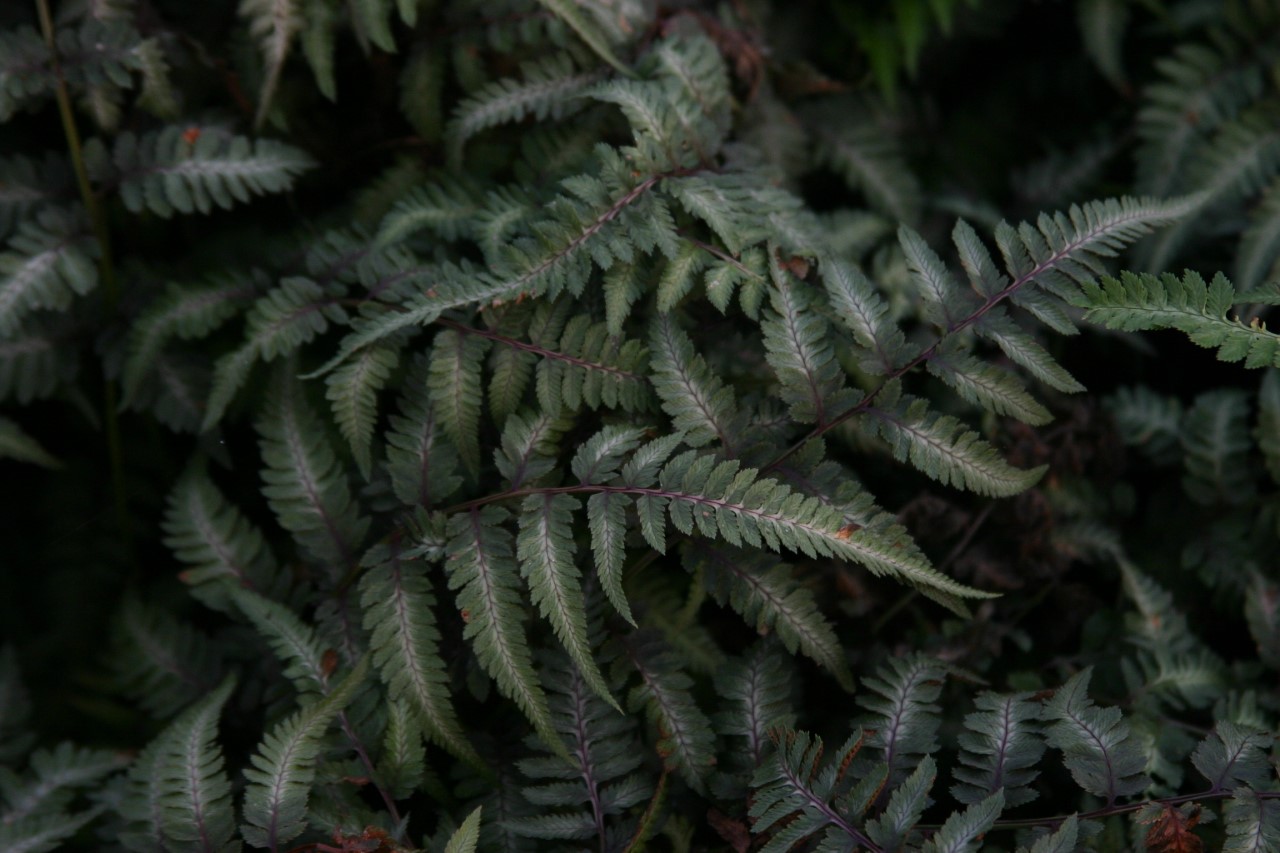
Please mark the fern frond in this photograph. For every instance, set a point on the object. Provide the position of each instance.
(1262, 613)
(280, 322)
(319, 42)
(1233, 755)
(1063, 250)
(1239, 162)
(588, 30)
(398, 605)
(600, 457)
(17, 444)
(371, 21)
(1216, 447)
(767, 595)
(1102, 28)
(1148, 421)
(184, 313)
(32, 363)
(1190, 679)
(574, 363)
(181, 795)
(482, 570)
(944, 449)
(869, 160)
(446, 207)
(547, 552)
(530, 447)
(352, 390)
(97, 60)
(1095, 742)
(303, 482)
(164, 664)
(27, 185)
(55, 775)
(694, 68)
(1253, 823)
(607, 519)
(216, 541)
(730, 204)
(894, 828)
(48, 262)
(864, 313)
(945, 304)
(963, 831)
(1061, 841)
(605, 757)
(686, 741)
(1023, 349)
(402, 766)
(280, 780)
(987, 385)
(985, 279)
(293, 641)
(678, 276)
(548, 88)
(420, 461)
(999, 750)
(794, 789)
(797, 347)
(700, 404)
(1203, 87)
(1143, 301)
(195, 169)
(456, 399)
(1260, 243)
(467, 836)
(739, 506)
(23, 49)
(617, 216)
(43, 833)
(273, 24)
(756, 689)
(903, 725)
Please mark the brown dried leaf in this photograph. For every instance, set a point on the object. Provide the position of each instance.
(1171, 829)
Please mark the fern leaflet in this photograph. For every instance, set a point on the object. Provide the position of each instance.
(1143, 301)
(279, 782)
(398, 603)
(1095, 742)
(999, 750)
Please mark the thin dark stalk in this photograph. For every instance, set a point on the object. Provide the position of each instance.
(106, 268)
(358, 746)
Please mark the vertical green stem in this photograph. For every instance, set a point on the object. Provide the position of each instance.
(106, 269)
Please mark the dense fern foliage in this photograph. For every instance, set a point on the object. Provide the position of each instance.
(517, 425)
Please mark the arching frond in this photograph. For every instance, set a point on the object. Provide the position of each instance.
(273, 24)
(686, 740)
(1142, 301)
(47, 263)
(303, 482)
(181, 795)
(398, 605)
(941, 447)
(547, 88)
(482, 570)
(1095, 742)
(999, 750)
(284, 767)
(195, 169)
